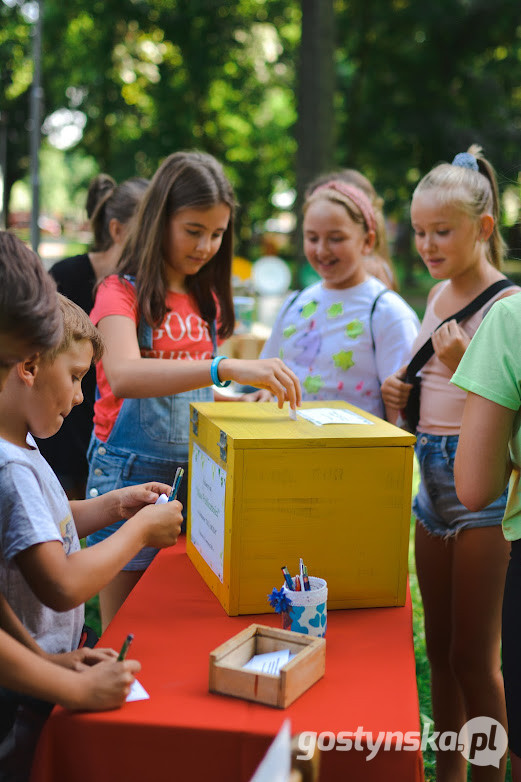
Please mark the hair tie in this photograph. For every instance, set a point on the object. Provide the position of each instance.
(465, 160)
(357, 196)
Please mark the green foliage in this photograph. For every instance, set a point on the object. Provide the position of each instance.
(64, 181)
(415, 83)
(153, 77)
(418, 82)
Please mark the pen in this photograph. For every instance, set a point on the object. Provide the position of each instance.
(305, 579)
(124, 649)
(177, 481)
(297, 584)
(287, 578)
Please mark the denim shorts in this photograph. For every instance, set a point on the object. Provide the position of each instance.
(436, 506)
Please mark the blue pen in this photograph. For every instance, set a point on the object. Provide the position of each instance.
(287, 578)
(177, 481)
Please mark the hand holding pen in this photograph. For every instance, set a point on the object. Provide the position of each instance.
(128, 500)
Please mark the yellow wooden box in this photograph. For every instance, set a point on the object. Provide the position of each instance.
(228, 678)
(266, 490)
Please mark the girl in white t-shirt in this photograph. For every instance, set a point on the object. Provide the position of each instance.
(343, 335)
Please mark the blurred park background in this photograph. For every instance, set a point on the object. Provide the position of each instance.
(279, 91)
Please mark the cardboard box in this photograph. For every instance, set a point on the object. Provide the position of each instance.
(243, 346)
(297, 676)
(266, 490)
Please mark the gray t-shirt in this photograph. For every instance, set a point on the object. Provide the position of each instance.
(34, 509)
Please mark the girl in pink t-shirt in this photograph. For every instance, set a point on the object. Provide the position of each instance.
(461, 555)
(161, 315)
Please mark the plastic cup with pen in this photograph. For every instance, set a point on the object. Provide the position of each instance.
(303, 610)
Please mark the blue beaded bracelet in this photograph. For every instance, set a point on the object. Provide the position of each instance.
(214, 372)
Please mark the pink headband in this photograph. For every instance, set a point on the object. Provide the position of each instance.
(357, 196)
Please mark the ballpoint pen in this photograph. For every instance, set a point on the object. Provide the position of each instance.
(124, 649)
(173, 491)
(287, 578)
(177, 481)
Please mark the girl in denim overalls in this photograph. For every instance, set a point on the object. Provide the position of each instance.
(461, 555)
(160, 316)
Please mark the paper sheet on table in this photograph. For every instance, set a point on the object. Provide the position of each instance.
(331, 415)
(276, 764)
(270, 662)
(137, 692)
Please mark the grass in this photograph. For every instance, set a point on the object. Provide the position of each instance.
(423, 677)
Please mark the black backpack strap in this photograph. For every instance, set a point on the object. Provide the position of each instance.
(373, 307)
(427, 350)
(289, 302)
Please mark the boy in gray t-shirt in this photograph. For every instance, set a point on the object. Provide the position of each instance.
(34, 510)
(44, 573)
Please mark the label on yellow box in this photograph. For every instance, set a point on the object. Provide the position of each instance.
(207, 503)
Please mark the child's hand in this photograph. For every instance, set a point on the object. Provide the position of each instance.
(81, 659)
(262, 395)
(395, 392)
(161, 524)
(450, 342)
(133, 498)
(268, 373)
(105, 686)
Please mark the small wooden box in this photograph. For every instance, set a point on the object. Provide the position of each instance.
(265, 490)
(228, 678)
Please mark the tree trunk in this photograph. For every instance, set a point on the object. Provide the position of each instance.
(316, 85)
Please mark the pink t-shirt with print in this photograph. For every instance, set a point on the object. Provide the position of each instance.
(183, 334)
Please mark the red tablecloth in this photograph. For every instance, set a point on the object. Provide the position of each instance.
(185, 733)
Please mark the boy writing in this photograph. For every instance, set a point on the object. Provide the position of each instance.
(44, 574)
(31, 321)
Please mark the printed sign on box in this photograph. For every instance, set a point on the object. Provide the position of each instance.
(208, 489)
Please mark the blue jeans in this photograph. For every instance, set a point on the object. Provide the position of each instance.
(436, 506)
(147, 443)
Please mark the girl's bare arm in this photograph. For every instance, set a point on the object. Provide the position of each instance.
(482, 467)
(133, 377)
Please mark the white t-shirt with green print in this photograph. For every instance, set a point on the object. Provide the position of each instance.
(324, 336)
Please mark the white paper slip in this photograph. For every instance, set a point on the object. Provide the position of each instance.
(276, 765)
(331, 415)
(292, 414)
(271, 662)
(137, 692)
